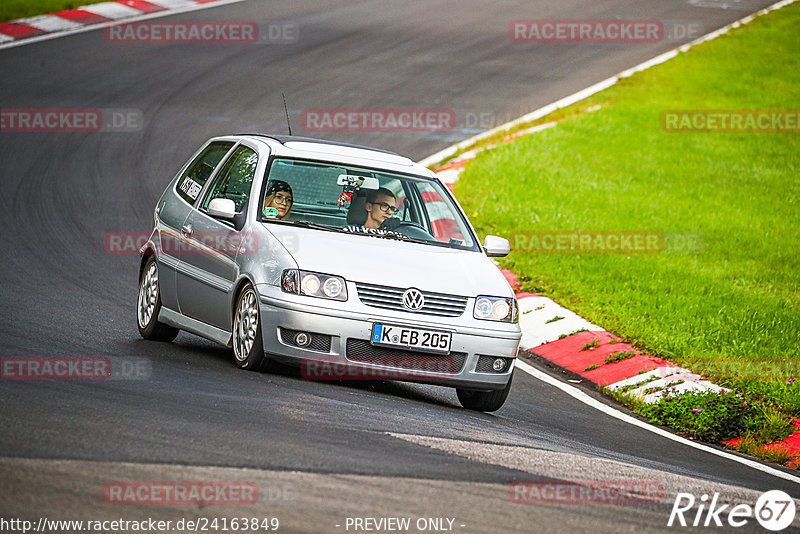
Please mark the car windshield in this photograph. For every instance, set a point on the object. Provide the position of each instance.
(345, 198)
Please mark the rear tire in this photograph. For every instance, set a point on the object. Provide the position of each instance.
(484, 401)
(148, 306)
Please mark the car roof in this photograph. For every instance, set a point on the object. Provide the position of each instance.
(283, 139)
(339, 152)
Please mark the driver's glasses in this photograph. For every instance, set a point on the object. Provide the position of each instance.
(283, 199)
(387, 208)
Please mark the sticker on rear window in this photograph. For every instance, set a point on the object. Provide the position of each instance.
(191, 188)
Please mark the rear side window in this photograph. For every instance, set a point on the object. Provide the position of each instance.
(197, 173)
(235, 178)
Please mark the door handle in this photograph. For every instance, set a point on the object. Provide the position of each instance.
(186, 230)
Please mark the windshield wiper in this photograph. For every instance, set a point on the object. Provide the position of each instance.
(305, 224)
(403, 237)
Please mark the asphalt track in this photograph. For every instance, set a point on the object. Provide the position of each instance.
(337, 450)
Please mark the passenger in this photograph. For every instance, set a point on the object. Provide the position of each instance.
(381, 204)
(279, 199)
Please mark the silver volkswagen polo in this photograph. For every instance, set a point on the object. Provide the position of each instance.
(349, 262)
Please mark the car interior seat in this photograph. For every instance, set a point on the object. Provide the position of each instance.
(357, 214)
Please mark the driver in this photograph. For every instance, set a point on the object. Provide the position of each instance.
(381, 204)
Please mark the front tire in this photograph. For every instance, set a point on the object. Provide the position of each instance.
(148, 306)
(248, 345)
(484, 401)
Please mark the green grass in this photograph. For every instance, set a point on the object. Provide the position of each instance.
(779, 455)
(707, 416)
(619, 356)
(715, 418)
(735, 300)
(15, 9)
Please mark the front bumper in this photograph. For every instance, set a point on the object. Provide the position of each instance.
(458, 369)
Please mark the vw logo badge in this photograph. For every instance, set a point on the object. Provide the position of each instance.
(413, 299)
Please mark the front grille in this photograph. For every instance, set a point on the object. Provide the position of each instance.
(485, 364)
(391, 298)
(319, 342)
(359, 350)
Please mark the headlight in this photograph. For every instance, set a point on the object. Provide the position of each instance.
(309, 284)
(496, 309)
(314, 284)
(333, 287)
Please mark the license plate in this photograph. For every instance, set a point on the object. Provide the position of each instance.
(411, 338)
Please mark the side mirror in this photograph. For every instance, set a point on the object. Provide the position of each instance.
(496, 246)
(240, 218)
(222, 208)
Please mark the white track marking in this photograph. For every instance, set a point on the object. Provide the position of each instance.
(112, 10)
(534, 314)
(665, 378)
(661, 372)
(50, 23)
(171, 4)
(576, 393)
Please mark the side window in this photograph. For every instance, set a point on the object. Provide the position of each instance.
(235, 178)
(440, 214)
(196, 174)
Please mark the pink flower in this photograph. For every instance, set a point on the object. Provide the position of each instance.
(744, 403)
(697, 410)
(789, 383)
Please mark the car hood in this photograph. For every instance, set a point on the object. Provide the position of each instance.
(390, 262)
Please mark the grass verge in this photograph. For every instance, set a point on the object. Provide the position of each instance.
(17, 9)
(716, 418)
(722, 295)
